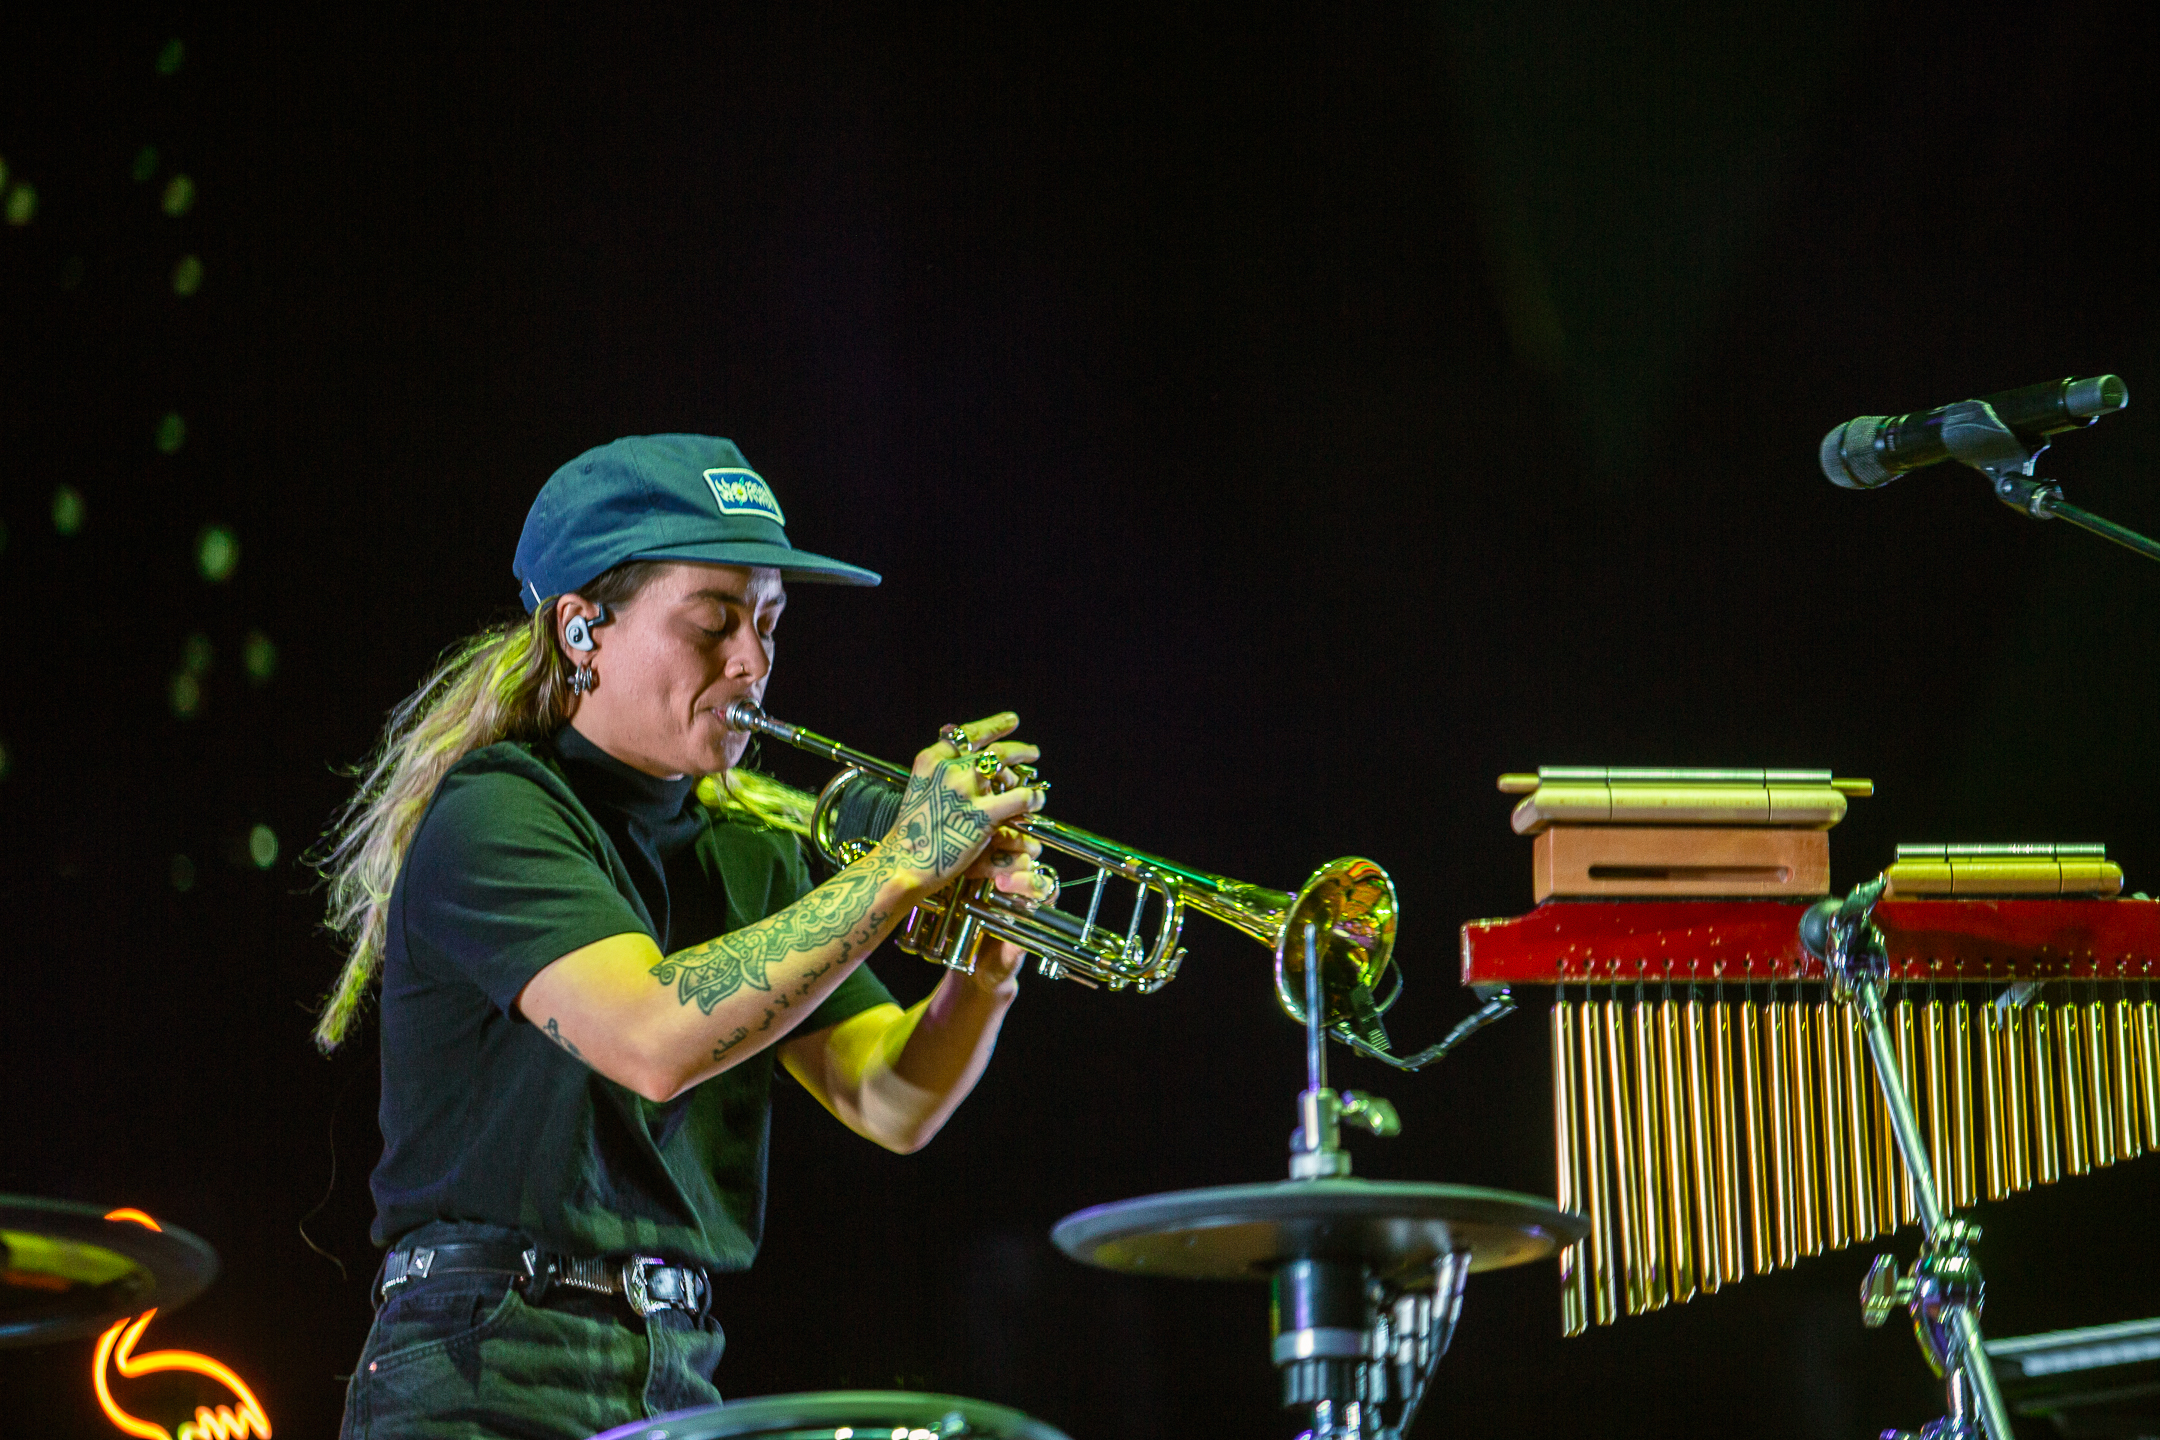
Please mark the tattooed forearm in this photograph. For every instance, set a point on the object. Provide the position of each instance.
(709, 973)
(554, 1032)
(735, 1037)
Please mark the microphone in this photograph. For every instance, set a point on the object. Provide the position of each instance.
(1872, 450)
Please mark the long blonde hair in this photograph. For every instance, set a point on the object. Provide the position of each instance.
(508, 682)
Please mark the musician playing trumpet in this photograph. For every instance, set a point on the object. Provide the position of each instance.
(587, 972)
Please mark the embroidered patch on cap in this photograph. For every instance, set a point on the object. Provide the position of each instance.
(742, 492)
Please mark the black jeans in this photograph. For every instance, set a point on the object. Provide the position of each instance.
(467, 1357)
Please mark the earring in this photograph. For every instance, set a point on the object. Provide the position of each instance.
(582, 680)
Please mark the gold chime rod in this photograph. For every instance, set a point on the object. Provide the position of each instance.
(1604, 1276)
(1672, 1126)
(1758, 1124)
(1859, 1164)
(1991, 1102)
(1574, 1275)
(1623, 1149)
(1732, 1264)
(1829, 1052)
(1784, 1193)
(1963, 1174)
(1702, 1152)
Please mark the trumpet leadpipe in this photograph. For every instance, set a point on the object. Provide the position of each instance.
(1604, 1303)
(1650, 1197)
(1994, 1117)
(2070, 1088)
(1964, 1181)
(1763, 1248)
(1627, 1198)
(1859, 1164)
(1830, 1053)
(1567, 1167)
(1732, 1264)
(1702, 1152)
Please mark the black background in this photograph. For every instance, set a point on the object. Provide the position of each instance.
(1299, 417)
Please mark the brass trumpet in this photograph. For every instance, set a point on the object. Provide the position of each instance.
(1351, 901)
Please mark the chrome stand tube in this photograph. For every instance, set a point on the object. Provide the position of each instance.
(1942, 1291)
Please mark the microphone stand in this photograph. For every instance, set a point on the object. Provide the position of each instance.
(1943, 1290)
(2043, 501)
(1978, 437)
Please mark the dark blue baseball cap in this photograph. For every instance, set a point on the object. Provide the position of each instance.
(659, 497)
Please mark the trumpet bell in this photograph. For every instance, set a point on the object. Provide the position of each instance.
(1352, 902)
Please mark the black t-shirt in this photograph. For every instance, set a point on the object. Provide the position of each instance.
(526, 853)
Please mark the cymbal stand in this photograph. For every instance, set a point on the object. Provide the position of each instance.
(1943, 1290)
(1345, 1341)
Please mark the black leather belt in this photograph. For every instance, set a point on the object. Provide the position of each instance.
(645, 1282)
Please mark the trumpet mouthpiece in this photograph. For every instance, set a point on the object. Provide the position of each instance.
(744, 715)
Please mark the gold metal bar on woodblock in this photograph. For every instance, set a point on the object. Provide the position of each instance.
(2129, 1134)
(1732, 1264)
(1909, 1071)
(1672, 1130)
(2099, 1085)
(1830, 1097)
(1702, 1149)
(1567, 1162)
(1626, 1196)
(2017, 1090)
(1597, 1174)
(1859, 1165)
(1764, 1249)
(2150, 1069)
(1938, 1100)
(2040, 1094)
(2070, 1088)
(1963, 1176)
(1649, 1157)
(1784, 1193)
(1993, 1117)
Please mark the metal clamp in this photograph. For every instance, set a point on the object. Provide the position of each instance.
(637, 1287)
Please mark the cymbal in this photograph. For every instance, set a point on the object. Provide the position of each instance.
(1243, 1232)
(819, 1414)
(66, 1271)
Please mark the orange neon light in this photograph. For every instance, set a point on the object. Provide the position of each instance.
(117, 1345)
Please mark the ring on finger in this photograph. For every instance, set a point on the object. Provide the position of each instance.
(956, 737)
(988, 764)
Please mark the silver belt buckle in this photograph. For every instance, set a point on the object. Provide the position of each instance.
(634, 1287)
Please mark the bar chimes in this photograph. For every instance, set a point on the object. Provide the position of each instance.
(1714, 1111)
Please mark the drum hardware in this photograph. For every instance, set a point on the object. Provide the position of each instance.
(841, 1415)
(67, 1272)
(1942, 1291)
(1365, 1278)
(1350, 901)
